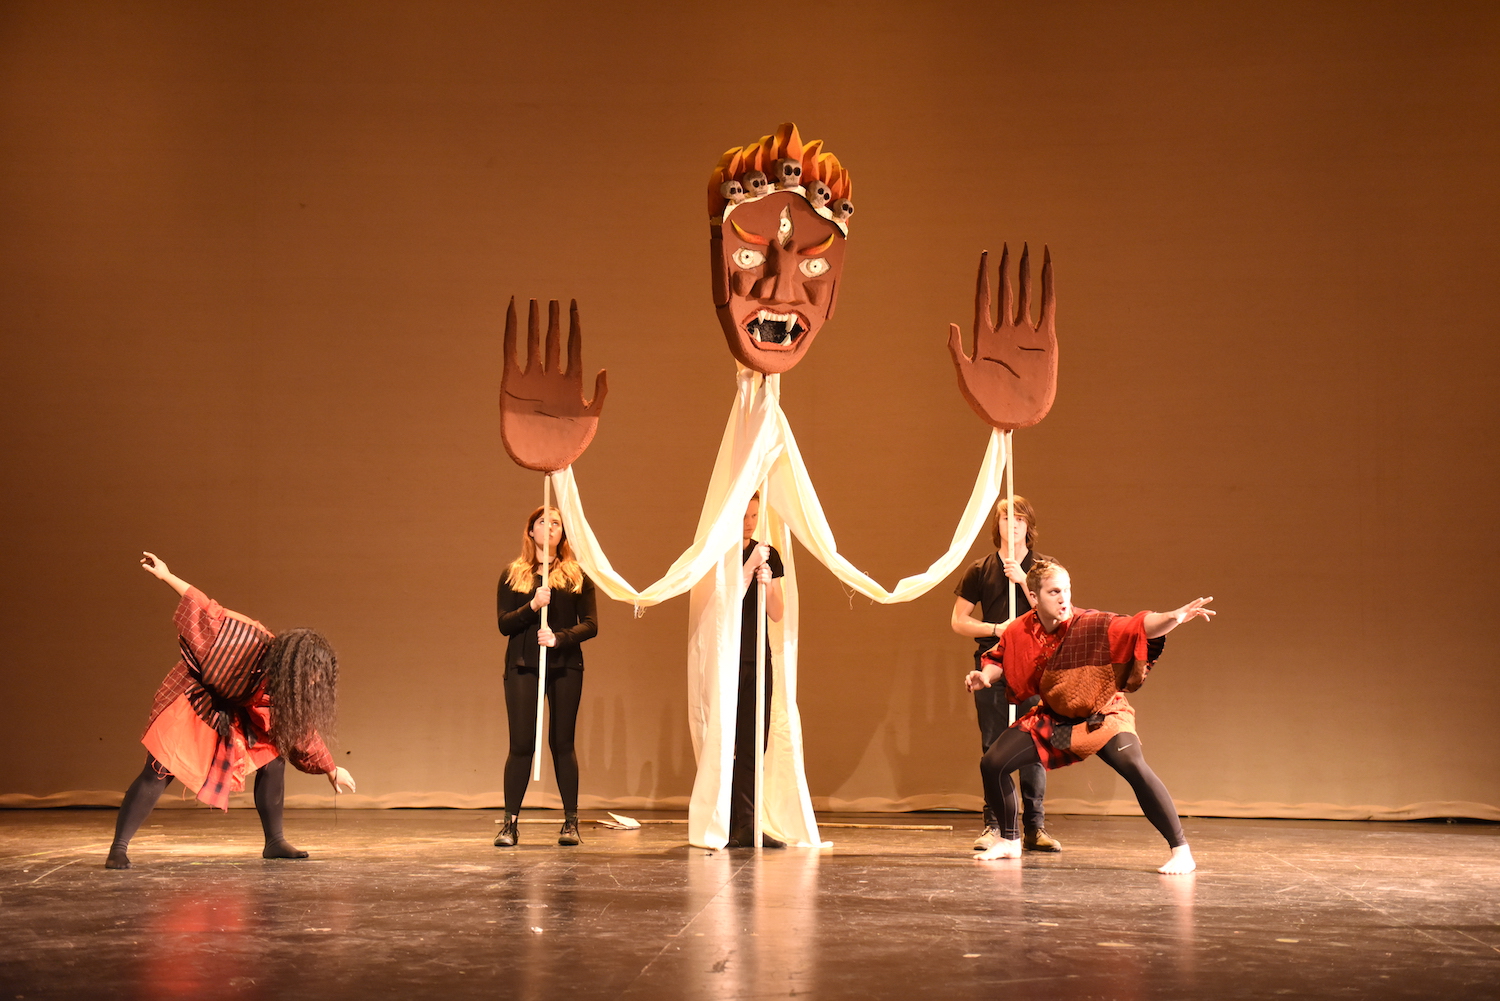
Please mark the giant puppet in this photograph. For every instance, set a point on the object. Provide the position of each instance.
(780, 211)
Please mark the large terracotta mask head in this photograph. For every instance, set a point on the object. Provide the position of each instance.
(780, 212)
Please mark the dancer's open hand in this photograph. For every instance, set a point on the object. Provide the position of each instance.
(341, 780)
(1195, 610)
(975, 680)
(155, 566)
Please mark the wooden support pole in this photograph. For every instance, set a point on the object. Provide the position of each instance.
(760, 683)
(541, 660)
(1010, 536)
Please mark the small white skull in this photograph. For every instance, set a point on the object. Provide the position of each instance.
(788, 173)
(732, 190)
(842, 210)
(755, 184)
(817, 194)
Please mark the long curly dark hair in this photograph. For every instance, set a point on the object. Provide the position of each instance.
(302, 680)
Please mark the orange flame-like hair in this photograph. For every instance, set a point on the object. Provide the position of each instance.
(784, 143)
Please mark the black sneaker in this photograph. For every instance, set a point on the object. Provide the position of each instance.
(746, 839)
(569, 833)
(510, 833)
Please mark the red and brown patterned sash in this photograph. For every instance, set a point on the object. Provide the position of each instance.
(221, 689)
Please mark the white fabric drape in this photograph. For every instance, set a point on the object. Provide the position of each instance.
(758, 446)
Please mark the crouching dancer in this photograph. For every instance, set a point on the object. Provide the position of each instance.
(240, 700)
(1081, 662)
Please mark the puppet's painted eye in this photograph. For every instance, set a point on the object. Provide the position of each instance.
(814, 266)
(747, 258)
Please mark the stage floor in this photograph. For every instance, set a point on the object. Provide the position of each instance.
(417, 904)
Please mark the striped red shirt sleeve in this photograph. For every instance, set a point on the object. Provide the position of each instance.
(198, 620)
(312, 756)
(1127, 638)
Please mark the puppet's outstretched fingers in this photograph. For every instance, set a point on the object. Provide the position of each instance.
(554, 338)
(544, 420)
(575, 363)
(1023, 308)
(1049, 297)
(511, 367)
(1007, 294)
(1011, 378)
(956, 349)
(575, 343)
(533, 337)
(983, 324)
(601, 389)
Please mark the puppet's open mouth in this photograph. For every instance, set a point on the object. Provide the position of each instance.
(775, 331)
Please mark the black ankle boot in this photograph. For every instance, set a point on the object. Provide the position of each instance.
(569, 833)
(746, 839)
(510, 832)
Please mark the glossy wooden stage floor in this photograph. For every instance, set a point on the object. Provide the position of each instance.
(417, 904)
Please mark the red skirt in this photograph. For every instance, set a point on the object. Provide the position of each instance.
(191, 750)
(1084, 740)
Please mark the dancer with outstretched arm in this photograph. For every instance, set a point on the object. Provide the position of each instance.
(239, 700)
(1081, 662)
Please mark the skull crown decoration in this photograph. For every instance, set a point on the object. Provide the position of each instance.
(781, 162)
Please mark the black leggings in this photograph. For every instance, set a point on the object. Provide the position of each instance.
(742, 781)
(1015, 749)
(992, 707)
(140, 799)
(564, 692)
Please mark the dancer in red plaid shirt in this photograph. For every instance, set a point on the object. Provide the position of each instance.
(1081, 662)
(239, 700)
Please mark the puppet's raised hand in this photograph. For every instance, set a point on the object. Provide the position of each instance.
(544, 420)
(1012, 377)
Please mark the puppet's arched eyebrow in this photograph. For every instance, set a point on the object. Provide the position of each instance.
(819, 248)
(751, 237)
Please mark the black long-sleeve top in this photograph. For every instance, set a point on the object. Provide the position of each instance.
(571, 615)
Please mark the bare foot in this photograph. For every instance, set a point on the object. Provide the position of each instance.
(1180, 864)
(1000, 849)
(281, 848)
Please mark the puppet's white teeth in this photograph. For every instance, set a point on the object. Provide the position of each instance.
(788, 323)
